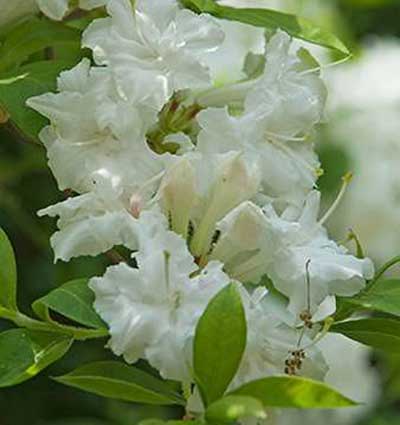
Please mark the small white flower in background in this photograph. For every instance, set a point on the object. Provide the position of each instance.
(201, 196)
(364, 123)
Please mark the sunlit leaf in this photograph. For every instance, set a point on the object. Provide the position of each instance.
(293, 391)
(231, 408)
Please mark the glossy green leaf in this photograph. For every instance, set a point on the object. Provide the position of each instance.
(232, 407)
(8, 274)
(383, 334)
(32, 36)
(28, 81)
(271, 20)
(383, 296)
(119, 381)
(73, 300)
(292, 391)
(24, 353)
(219, 343)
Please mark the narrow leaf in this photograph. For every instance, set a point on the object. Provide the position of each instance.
(290, 391)
(74, 300)
(24, 353)
(383, 334)
(219, 343)
(271, 20)
(234, 407)
(122, 382)
(8, 274)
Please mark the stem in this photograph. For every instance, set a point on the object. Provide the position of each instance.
(383, 270)
(27, 322)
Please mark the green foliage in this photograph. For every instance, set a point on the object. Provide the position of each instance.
(34, 36)
(384, 297)
(232, 408)
(119, 381)
(219, 343)
(29, 80)
(159, 422)
(271, 20)
(8, 274)
(24, 353)
(290, 391)
(73, 300)
(383, 334)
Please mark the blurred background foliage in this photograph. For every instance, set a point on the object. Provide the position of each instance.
(26, 185)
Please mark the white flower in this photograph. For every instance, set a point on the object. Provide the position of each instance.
(199, 190)
(332, 271)
(246, 243)
(280, 110)
(57, 9)
(270, 341)
(91, 223)
(152, 311)
(92, 128)
(155, 49)
(351, 374)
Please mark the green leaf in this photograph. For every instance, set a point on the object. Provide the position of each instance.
(30, 80)
(34, 36)
(8, 274)
(122, 382)
(24, 353)
(271, 20)
(73, 300)
(384, 296)
(160, 422)
(383, 334)
(234, 407)
(219, 343)
(293, 391)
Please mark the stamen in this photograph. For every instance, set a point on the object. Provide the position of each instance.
(346, 181)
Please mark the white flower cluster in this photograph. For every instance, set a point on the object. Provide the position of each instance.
(206, 185)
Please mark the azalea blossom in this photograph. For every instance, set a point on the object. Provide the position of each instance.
(152, 311)
(154, 49)
(280, 109)
(331, 270)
